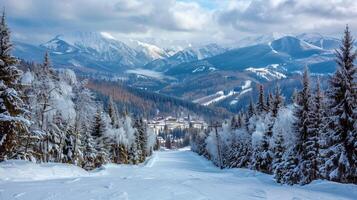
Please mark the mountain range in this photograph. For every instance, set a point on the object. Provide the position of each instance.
(208, 74)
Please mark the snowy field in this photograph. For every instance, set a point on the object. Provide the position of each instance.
(166, 175)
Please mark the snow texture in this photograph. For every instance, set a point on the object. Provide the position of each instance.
(166, 175)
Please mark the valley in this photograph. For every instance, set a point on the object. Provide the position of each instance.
(210, 75)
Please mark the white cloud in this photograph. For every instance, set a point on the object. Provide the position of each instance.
(191, 20)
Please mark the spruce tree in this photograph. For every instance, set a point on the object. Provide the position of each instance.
(267, 155)
(98, 130)
(89, 152)
(141, 138)
(113, 113)
(303, 168)
(250, 113)
(341, 158)
(234, 123)
(278, 153)
(261, 105)
(278, 102)
(268, 103)
(13, 113)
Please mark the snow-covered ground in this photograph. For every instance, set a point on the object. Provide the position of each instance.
(166, 175)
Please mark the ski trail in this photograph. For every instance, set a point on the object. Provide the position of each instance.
(151, 161)
(171, 175)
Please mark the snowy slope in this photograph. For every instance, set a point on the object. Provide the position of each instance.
(19, 170)
(90, 50)
(210, 99)
(221, 95)
(169, 175)
(186, 55)
(150, 51)
(269, 73)
(321, 41)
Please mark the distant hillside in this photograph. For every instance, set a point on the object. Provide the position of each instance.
(148, 104)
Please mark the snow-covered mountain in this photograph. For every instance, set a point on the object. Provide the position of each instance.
(99, 46)
(150, 51)
(198, 53)
(99, 51)
(288, 51)
(294, 47)
(319, 40)
(187, 55)
(88, 51)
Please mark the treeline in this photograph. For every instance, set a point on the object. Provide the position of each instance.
(48, 115)
(315, 138)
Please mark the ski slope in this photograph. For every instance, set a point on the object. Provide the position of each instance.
(166, 175)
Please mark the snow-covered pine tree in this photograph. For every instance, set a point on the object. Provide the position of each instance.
(266, 151)
(89, 152)
(249, 114)
(69, 147)
(318, 116)
(141, 138)
(341, 155)
(260, 104)
(133, 155)
(239, 121)
(85, 108)
(234, 122)
(13, 119)
(113, 113)
(45, 88)
(265, 158)
(268, 103)
(197, 141)
(305, 149)
(277, 102)
(98, 133)
(242, 154)
(278, 153)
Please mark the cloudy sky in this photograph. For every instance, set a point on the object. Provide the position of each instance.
(197, 21)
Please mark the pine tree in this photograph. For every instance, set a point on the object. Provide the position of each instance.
(85, 108)
(310, 147)
(260, 105)
(320, 124)
(113, 113)
(277, 103)
(278, 153)
(305, 169)
(98, 130)
(249, 114)
(134, 157)
(141, 138)
(265, 154)
(341, 161)
(251, 109)
(269, 102)
(234, 122)
(266, 151)
(89, 152)
(45, 92)
(13, 122)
